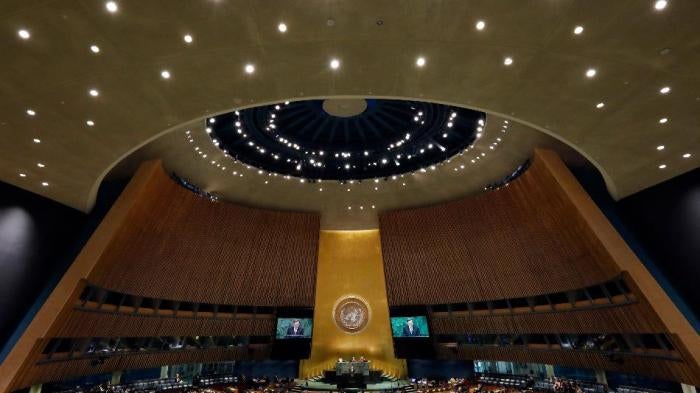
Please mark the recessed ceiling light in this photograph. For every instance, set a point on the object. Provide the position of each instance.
(22, 174)
(112, 6)
(31, 112)
(687, 155)
(282, 28)
(335, 64)
(600, 105)
(249, 68)
(480, 25)
(508, 61)
(663, 120)
(420, 62)
(94, 92)
(45, 183)
(94, 49)
(660, 5)
(591, 72)
(165, 74)
(37, 140)
(90, 123)
(665, 90)
(660, 147)
(24, 34)
(578, 30)
(188, 38)
(40, 165)
(662, 166)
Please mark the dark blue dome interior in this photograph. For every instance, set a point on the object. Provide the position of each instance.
(389, 137)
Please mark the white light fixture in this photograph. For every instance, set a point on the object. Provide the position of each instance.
(95, 49)
(660, 147)
(22, 174)
(480, 25)
(188, 38)
(45, 183)
(249, 68)
(665, 90)
(660, 4)
(591, 72)
(31, 112)
(662, 166)
(40, 165)
(24, 34)
(94, 92)
(111, 6)
(282, 28)
(600, 105)
(578, 30)
(165, 74)
(90, 123)
(663, 120)
(335, 64)
(687, 155)
(37, 140)
(420, 62)
(508, 61)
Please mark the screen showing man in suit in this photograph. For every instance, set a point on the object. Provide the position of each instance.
(294, 328)
(413, 326)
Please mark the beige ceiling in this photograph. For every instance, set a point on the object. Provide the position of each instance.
(635, 49)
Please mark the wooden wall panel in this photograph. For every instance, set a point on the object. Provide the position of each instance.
(98, 324)
(183, 247)
(523, 239)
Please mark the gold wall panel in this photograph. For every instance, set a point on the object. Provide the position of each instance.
(350, 264)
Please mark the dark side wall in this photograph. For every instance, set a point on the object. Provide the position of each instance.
(662, 226)
(39, 239)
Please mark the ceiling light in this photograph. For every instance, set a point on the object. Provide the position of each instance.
(590, 73)
(90, 123)
(420, 62)
(31, 112)
(665, 90)
(508, 61)
(663, 120)
(687, 155)
(24, 34)
(600, 105)
(45, 184)
(660, 5)
(94, 92)
(165, 74)
(335, 64)
(660, 147)
(94, 49)
(282, 28)
(37, 140)
(40, 165)
(480, 25)
(22, 174)
(578, 30)
(662, 166)
(112, 6)
(249, 68)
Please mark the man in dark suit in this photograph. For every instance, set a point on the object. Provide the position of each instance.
(409, 330)
(295, 329)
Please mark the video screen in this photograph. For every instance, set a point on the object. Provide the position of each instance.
(290, 328)
(412, 326)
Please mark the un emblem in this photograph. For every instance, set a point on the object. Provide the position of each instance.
(351, 314)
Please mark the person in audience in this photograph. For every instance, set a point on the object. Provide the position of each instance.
(410, 330)
(295, 329)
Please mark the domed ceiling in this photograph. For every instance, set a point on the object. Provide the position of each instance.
(345, 139)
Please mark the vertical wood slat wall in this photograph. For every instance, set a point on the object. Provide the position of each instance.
(521, 240)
